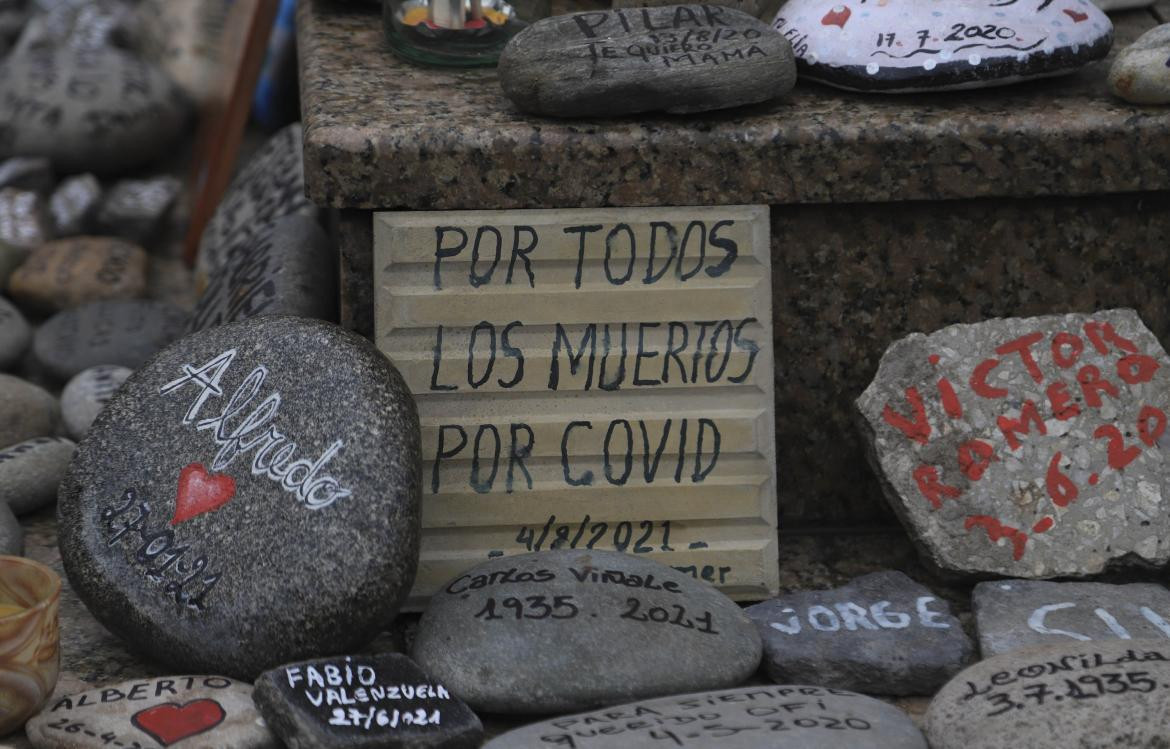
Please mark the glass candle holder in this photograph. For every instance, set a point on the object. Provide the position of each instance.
(30, 659)
(455, 33)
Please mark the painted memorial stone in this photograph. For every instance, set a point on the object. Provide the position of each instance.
(186, 712)
(1019, 614)
(26, 411)
(1026, 447)
(523, 634)
(269, 186)
(125, 333)
(247, 498)
(926, 45)
(87, 394)
(138, 208)
(74, 203)
(11, 533)
(1083, 694)
(34, 174)
(679, 58)
(371, 702)
(882, 633)
(285, 269)
(31, 470)
(100, 110)
(15, 334)
(71, 272)
(23, 221)
(1141, 72)
(761, 717)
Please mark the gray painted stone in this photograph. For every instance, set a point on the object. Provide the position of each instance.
(138, 208)
(30, 472)
(277, 462)
(681, 58)
(881, 633)
(87, 394)
(125, 333)
(73, 204)
(1018, 614)
(100, 110)
(26, 411)
(1111, 695)
(364, 702)
(1141, 72)
(15, 334)
(569, 630)
(762, 717)
(27, 173)
(23, 221)
(288, 268)
(187, 712)
(11, 534)
(1059, 467)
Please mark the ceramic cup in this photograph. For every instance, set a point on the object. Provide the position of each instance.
(29, 639)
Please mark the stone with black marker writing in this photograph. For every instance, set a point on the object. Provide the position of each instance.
(75, 271)
(364, 702)
(30, 472)
(87, 394)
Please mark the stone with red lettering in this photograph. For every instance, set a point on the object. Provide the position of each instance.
(248, 497)
(30, 472)
(1020, 614)
(881, 633)
(1027, 447)
(185, 712)
(1111, 695)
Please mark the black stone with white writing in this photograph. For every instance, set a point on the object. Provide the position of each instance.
(882, 633)
(760, 717)
(1019, 614)
(74, 203)
(87, 394)
(680, 58)
(30, 472)
(371, 702)
(249, 497)
(564, 630)
(137, 208)
(286, 269)
(15, 334)
(125, 332)
(1083, 694)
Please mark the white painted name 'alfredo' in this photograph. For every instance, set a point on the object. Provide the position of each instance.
(274, 450)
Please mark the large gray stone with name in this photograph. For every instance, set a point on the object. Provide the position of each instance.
(1027, 447)
(761, 717)
(564, 630)
(1106, 695)
(680, 58)
(1019, 614)
(882, 633)
(249, 497)
(31, 471)
(15, 334)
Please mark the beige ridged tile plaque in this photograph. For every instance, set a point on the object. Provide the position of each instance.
(590, 379)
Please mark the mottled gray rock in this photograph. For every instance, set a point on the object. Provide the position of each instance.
(74, 203)
(26, 411)
(11, 534)
(192, 712)
(87, 394)
(23, 220)
(763, 717)
(137, 208)
(100, 110)
(15, 334)
(1106, 695)
(30, 472)
(681, 58)
(569, 630)
(1018, 614)
(364, 702)
(1026, 447)
(125, 333)
(269, 186)
(286, 269)
(1141, 72)
(881, 633)
(249, 497)
(78, 270)
(25, 173)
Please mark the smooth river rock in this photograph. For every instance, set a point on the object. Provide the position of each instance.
(30, 472)
(1141, 72)
(137, 209)
(364, 702)
(247, 498)
(71, 272)
(186, 712)
(1106, 695)
(926, 45)
(15, 334)
(679, 58)
(73, 204)
(11, 533)
(762, 717)
(1019, 614)
(87, 394)
(570, 630)
(27, 173)
(1027, 447)
(882, 633)
(26, 411)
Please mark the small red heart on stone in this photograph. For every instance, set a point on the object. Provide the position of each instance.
(200, 492)
(837, 16)
(1076, 16)
(170, 723)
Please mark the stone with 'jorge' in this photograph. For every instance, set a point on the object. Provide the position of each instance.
(1030, 447)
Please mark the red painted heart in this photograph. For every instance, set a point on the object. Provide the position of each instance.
(200, 492)
(1076, 16)
(838, 16)
(171, 722)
